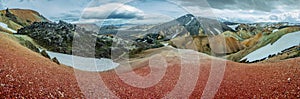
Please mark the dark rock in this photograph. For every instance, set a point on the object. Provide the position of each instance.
(45, 54)
(29, 45)
(12, 17)
(55, 37)
(150, 38)
(55, 60)
(58, 37)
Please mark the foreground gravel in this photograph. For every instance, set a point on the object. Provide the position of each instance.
(25, 74)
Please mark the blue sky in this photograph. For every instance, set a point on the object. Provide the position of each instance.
(156, 11)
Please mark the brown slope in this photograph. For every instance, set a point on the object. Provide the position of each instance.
(18, 18)
(24, 73)
(27, 74)
(28, 16)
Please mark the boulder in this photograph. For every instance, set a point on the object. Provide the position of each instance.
(29, 45)
(55, 60)
(45, 54)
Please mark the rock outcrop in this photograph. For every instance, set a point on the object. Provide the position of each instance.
(55, 37)
(45, 54)
(60, 37)
(55, 60)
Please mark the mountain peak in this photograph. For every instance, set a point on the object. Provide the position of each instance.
(189, 15)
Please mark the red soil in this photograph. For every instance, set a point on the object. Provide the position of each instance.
(24, 73)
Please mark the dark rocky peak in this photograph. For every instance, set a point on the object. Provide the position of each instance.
(11, 16)
(7, 11)
(209, 26)
(192, 25)
(212, 26)
(108, 27)
(186, 19)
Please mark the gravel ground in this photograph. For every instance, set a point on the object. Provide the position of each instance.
(25, 74)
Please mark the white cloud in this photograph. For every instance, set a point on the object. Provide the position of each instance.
(117, 13)
(112, 10)
(148, 19)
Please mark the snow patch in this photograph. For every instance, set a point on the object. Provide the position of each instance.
(276, 30)
(3, 25)
(192, 18)
(219, 32)
(175, 35)
(83, 63)
(233, 26)
(285, 42)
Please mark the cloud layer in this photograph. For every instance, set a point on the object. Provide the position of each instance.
(246, 10)
(260, 5)
(112, 11)
(155, 11)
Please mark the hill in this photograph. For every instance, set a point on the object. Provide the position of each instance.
(18, 18)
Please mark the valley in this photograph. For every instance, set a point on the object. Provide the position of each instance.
(41, 58)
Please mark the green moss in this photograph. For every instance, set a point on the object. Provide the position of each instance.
(28, 44)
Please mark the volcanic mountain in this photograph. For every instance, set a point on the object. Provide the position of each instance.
(190, 25)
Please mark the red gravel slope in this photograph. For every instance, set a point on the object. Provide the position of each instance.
(24, 73)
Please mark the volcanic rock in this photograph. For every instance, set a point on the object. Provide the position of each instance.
(55, 60)
(45, 54)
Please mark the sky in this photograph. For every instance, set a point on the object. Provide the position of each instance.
(158, 11)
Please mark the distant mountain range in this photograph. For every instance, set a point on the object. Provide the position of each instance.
(291, 17)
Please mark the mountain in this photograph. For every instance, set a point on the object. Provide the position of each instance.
(190, 25)
(18, 18)
(234, 45)
(190, 32)
(88, 26)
